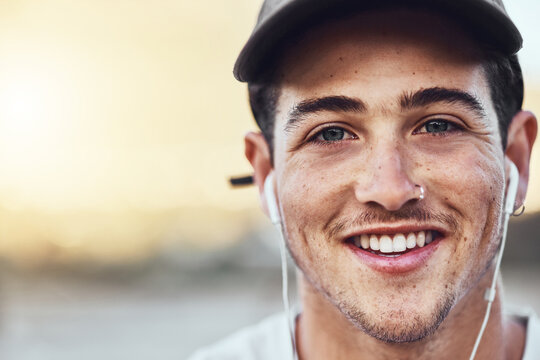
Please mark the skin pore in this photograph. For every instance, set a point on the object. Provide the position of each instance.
(370, 108)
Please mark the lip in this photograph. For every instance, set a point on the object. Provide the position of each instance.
(408, 262)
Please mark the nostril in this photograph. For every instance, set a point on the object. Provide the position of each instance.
(390, 197)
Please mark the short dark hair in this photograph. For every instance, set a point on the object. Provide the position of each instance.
(263, 99)
(503, 74)
(505, 80)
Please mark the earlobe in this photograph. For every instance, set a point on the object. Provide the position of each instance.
(257, 152)
(521, 136)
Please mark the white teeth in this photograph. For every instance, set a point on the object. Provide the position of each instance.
(374, 242)
(364, 241)
(399, 243)
(385, 244)
(421, 239)
(429, 237)
(411, 240)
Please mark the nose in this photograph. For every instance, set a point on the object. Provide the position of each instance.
(385, 182)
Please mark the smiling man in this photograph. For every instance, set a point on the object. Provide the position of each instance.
(388, 133)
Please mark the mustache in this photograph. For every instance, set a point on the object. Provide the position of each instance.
(380, 216)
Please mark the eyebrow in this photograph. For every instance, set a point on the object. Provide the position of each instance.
(327, 103)
(407, 101)
(434, 95)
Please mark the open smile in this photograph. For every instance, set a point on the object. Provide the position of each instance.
(395, 252)
(393, 245)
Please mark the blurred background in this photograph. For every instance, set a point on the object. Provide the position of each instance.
(120, 123)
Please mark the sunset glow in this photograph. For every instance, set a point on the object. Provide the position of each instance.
(120, 124)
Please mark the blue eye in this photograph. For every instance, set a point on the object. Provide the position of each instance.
(332, 135)
(437, 127)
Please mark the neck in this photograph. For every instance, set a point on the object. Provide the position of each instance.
(325, 333)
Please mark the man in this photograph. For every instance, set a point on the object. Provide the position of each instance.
(388, 130)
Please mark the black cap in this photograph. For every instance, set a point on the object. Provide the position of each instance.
(280, 19)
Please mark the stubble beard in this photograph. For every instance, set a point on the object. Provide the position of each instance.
(403, 328)
(406, 329)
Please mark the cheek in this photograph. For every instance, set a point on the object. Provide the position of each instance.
(469, 174)
(312, 191)
(487, 203)
(471, 187)
(475, 184)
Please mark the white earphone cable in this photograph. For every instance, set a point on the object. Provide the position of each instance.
(285, 293)
(490, 292)
(276, 220)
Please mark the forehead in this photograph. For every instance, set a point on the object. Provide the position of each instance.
(380, 53)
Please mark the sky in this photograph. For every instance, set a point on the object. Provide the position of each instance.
(117, 115)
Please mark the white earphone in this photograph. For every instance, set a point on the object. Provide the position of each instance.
(270, 197)
(513, 181)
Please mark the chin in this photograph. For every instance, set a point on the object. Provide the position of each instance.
(400, 325)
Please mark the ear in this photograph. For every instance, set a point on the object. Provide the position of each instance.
(257, 152)
(521, 136)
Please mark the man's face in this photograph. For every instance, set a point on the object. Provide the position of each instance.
(369, 109)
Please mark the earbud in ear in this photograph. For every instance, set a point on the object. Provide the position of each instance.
(270, 197)
(511, 190)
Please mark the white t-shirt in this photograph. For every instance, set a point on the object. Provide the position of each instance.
(269, 340)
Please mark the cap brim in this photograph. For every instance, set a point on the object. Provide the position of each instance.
(489, 23)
